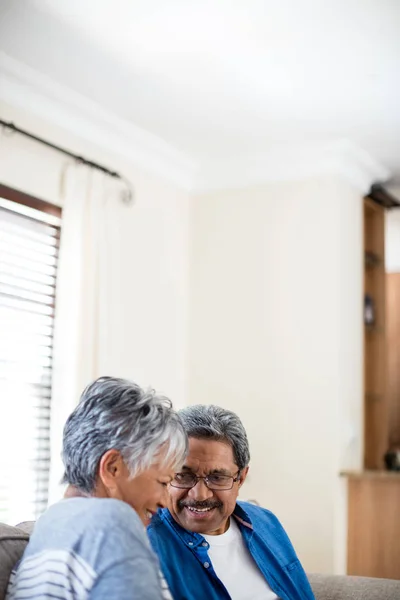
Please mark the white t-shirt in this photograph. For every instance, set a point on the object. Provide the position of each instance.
(235, 566)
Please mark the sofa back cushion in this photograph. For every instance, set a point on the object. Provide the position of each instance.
(12, 545)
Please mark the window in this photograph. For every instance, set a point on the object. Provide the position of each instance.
(29, 245)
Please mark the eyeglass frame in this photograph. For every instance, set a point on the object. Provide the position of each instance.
(197, 478)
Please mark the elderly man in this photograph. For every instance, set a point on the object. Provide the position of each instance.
(121, 448)
(211, 546)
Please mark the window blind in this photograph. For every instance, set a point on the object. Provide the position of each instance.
(29, 246)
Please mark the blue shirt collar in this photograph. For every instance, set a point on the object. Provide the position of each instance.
(193, 539)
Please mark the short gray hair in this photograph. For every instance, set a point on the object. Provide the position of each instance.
(118, 414)
(215, 423)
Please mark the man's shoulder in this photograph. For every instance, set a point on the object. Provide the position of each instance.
(254, 511)
(166, 532)
(160, 521)
(261, 519)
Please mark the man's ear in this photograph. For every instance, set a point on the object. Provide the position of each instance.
(111, 468)
(243, 475)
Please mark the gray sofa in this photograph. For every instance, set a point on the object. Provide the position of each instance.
(326, 587)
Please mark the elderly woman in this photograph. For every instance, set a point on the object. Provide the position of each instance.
(121, 448)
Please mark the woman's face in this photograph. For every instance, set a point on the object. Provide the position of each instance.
(147, 492)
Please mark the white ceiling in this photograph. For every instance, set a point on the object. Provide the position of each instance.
(232, 78)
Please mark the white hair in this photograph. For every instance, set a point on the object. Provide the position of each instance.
(118, 414)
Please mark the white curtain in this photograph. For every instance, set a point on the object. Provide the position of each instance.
(82, 306)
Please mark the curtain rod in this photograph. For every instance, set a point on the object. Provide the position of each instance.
(127, 194)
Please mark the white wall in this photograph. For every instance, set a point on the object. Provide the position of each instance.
(274, 329)
(275, 334)
(149, 306)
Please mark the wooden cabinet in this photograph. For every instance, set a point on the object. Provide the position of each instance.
(393, 356)
(373, 546)
(381, 344)
(373, 541)
(376, 412)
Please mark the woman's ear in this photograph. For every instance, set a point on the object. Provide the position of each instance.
(111, 468)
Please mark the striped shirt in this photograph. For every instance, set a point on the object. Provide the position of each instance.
(85, 548)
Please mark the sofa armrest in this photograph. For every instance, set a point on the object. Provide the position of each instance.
(13, 542)
(342, 587)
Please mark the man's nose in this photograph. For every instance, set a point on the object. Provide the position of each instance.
(200, 491)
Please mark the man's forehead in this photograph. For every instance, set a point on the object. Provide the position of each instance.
(210, 454)
(207, 470)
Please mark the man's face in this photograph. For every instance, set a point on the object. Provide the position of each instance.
(187, 506)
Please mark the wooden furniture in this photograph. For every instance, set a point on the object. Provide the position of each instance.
(373, 541)
(393, 356)
(373, 548)
(376, 413)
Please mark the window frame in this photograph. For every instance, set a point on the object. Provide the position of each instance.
(24, 199)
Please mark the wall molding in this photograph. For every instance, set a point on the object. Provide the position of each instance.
(26, 88)
(38, 94)
(294, 162)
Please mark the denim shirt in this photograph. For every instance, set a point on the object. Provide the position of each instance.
(188, 569)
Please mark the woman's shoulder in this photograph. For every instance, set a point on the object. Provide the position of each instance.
(92, 514)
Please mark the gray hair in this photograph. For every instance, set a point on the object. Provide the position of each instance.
(118, 414)
(215, 423)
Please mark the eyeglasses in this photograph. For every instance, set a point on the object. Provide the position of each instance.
(214, 481)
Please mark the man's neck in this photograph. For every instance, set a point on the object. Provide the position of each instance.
(221, 530)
